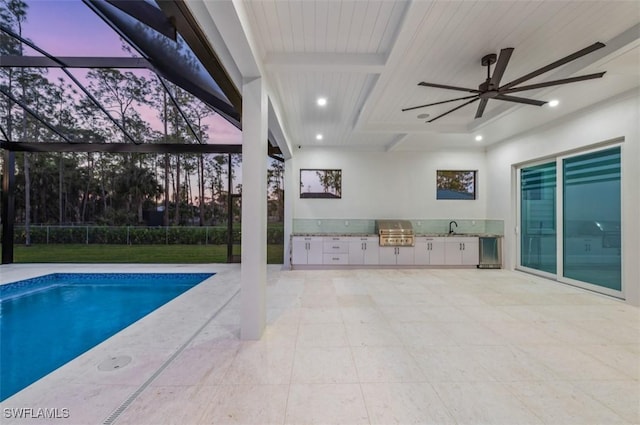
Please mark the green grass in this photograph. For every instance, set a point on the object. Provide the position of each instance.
(187, 254)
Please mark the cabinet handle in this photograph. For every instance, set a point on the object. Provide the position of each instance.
(364, 246)
(463, 247)
(335, 247)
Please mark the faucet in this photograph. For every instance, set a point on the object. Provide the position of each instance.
(450, 229)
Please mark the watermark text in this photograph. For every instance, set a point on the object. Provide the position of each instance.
(35, 413)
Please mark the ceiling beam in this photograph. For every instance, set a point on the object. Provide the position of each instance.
(396, 142)
(370, 63)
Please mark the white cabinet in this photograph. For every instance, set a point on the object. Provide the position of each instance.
(462, 251)
(335, 250)
(306, 250)
(429, 251)
(396, 255)
(363, 250)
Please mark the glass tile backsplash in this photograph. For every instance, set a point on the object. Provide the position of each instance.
(420, 226)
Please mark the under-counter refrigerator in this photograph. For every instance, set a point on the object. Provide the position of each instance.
(490, 252)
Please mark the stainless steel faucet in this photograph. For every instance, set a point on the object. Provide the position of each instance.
(450, 223)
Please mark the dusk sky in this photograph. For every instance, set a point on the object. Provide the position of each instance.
(70, 28)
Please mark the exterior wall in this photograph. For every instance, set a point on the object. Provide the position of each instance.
(618, 118)
(388, 184)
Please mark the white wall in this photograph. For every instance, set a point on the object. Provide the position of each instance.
(616, 118)
(388, 184)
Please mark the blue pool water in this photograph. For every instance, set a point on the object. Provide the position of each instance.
(47, 321)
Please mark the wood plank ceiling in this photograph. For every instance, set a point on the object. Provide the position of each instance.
(366, 58)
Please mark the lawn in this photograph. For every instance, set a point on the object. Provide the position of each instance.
(80, 253)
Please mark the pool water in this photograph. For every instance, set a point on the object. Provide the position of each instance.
(47, 321)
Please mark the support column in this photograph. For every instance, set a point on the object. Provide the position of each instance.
(8, 205)
(254, 210)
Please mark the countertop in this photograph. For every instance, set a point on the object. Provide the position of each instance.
(375, 235)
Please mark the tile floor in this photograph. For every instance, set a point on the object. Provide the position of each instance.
(377, 347)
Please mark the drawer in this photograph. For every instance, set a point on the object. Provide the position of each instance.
(364, 239)
(330, 247)
(308, 238)
(335, 259)
(425, 239)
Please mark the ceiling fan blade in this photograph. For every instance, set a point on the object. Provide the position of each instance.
(498, 71)
(454, 109)
(442, 86)
(553, 83)
(481, 106)
(555, 64)
(438, 103)
(520, 100)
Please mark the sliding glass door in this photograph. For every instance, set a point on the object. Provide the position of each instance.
(538, 217)
(570, 219)
(592, 218)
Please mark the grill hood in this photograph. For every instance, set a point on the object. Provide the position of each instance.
(395, 232)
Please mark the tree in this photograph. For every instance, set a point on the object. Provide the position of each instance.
(275, 181)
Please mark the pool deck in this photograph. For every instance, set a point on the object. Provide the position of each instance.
(356, 347)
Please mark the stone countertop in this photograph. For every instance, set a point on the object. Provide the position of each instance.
(375, 235)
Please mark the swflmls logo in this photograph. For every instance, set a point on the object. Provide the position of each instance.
(35, 413)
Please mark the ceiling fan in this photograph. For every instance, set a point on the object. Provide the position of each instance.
(491, 88)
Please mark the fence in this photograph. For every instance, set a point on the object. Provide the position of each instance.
(136, 235)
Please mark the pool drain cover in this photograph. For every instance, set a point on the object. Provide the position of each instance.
(114, 363)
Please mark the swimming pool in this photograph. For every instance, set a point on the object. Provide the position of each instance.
(49, 320)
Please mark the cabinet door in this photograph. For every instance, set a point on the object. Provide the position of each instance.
(405, 255)
(453, 252)
(315, 254)
(421, 253)
(299, 250)
(471, 252)
(356, 251)
(371, 252)
(436, 252)
(387, 255)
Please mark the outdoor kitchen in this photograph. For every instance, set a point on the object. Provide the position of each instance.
(336, 243)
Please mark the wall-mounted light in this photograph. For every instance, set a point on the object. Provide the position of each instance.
(478, 138)
(319, 136)
(322, 101)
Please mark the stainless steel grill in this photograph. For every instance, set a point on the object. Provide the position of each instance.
(395, 232)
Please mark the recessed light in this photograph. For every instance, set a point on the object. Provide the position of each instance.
(322, 101)
(319, 136)
(554, 103)
(423, 116)
(478, 138)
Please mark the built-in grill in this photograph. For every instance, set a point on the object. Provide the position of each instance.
(395, 232)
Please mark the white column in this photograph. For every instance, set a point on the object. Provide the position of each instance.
(254, 210)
